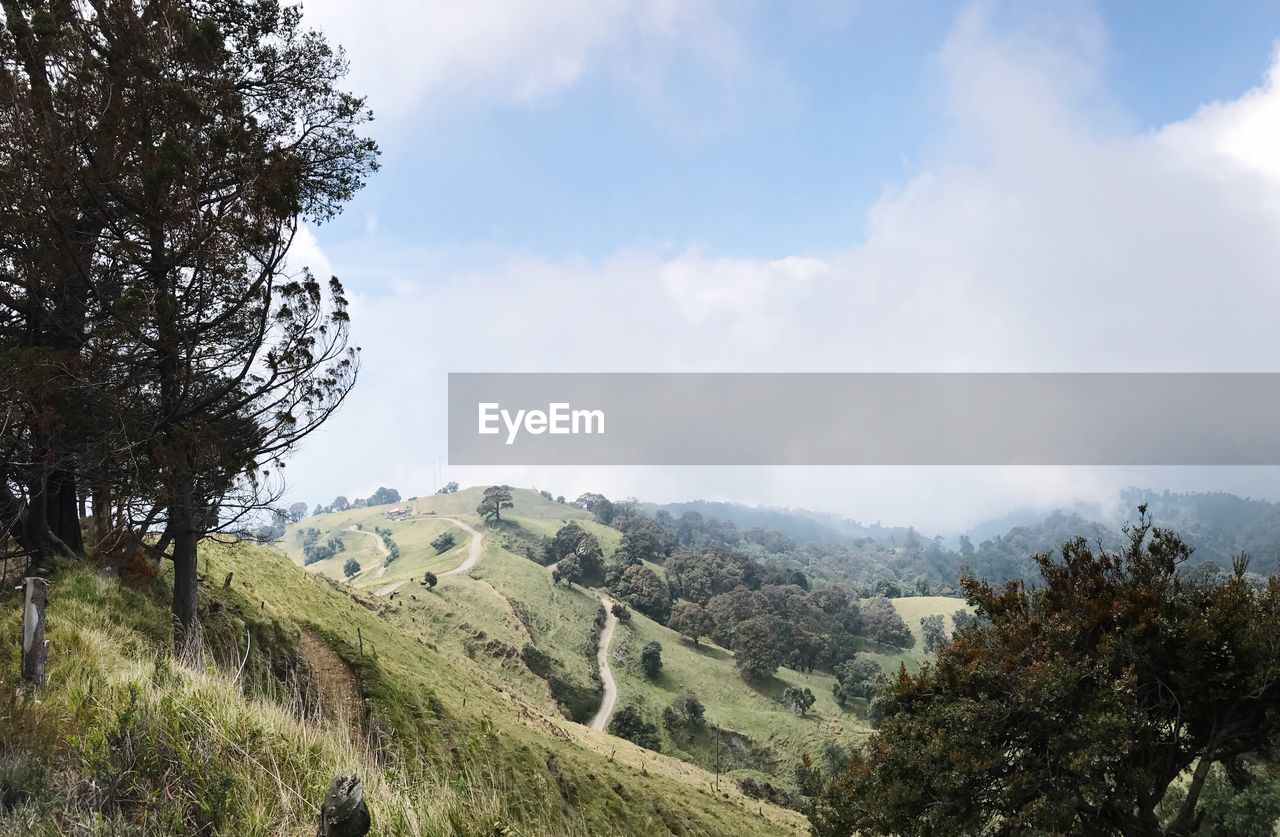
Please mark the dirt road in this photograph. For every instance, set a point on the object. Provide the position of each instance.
(475, 551)
(601, 720)
(382, 549)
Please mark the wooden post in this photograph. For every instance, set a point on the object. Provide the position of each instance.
(344, 812)
(34, 649)
(226, 585)
(360, 637)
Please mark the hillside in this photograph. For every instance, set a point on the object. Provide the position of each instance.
(462, 707)
(447, 744)
(516, 604)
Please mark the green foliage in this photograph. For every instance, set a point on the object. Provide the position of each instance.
(628, 723)
(444, 542)
(962, 619)
(429, 579)
(881, 622)
(685, 714)
(691, 620)
(495, 499)
(1242, 797)
(641, 588)
(572, 541)
(651, 659)
(798, 700)
(351, 568)
(313, 551)
(383, 497)
(856, 678)
(568, 570)
(1125, 673)
(448, 488)
(934, 629)
(757, 652)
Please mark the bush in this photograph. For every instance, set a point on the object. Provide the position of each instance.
(445, 542)
(628, 723)
(855, 678)
(651, 659)
(685, 712)
(798, 700)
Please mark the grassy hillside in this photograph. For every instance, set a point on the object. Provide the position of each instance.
(123, 739)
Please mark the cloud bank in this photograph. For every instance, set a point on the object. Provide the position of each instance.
(1043, 233)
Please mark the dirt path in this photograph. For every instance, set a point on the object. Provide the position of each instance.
(474, 552)
(337, 694)
(601, 720)
(382, 549)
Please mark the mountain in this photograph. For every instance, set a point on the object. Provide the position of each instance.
(800, 525)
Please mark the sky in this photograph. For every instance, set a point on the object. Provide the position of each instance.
(621, 185)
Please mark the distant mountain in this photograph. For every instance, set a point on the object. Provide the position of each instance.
(801, 525)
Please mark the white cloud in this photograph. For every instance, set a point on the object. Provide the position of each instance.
(305, 252)
(404, 52)
(1045, 236)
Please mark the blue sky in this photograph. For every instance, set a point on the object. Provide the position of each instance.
(652, 185)
(779, 158)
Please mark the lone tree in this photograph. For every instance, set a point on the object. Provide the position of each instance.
(651, 659)
(798, 700)
(1074, 705)
(430, 579)
(351, 568)
(496, 498)
(444, 542)
(166, 154)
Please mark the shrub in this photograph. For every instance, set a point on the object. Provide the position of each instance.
(651, 659)
(628, 723)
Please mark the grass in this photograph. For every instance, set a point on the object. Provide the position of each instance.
(752, 710)
(457, 741)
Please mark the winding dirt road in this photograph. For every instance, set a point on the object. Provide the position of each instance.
(382, 548)
(601, 720)
(475, 550)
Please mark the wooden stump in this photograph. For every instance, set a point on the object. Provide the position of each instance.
(34, 649)
(344, 812)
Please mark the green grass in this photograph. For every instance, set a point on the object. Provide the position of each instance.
(459, 742)
(749, 709)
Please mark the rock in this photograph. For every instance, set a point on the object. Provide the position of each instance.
(344, 812)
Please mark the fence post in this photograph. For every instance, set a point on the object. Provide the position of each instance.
(34, 649)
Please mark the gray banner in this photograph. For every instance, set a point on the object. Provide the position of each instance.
(864, 419)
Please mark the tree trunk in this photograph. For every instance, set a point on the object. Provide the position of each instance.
(62, 510)
(188, 644)
(27, 524)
